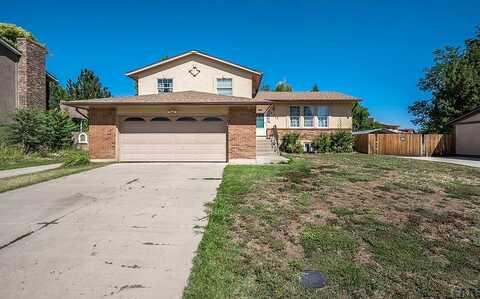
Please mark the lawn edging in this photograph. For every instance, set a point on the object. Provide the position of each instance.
(15, 182)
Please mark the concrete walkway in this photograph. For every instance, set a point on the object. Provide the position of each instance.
(26, 170)
(466, 161)
(122, 231)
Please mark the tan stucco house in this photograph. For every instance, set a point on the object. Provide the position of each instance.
(467, 133)
(196, 107)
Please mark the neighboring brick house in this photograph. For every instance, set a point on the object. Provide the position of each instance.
(196, 107)
(23, 78)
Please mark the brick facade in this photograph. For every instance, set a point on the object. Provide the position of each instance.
(32, 91)
(306, 135)
(102, 133)
(241, 133)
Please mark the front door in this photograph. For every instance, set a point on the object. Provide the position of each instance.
(261, 130)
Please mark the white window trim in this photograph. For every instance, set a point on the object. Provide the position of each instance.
(299, 117)
(223, 77)
(326, 116)
(313, 116)
(164, 78)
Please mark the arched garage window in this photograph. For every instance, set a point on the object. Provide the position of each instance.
(212, 119)
(132, 119)
(186, 118)
(160, 119)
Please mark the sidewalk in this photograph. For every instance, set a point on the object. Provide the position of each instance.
(466, 161)
(27, 170)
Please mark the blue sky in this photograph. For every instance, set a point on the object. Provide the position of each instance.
(376, 50)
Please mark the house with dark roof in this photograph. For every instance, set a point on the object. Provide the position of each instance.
(467, 133)
(23, 77)
(197, 107)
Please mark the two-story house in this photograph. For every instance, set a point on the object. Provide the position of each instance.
(196, 107)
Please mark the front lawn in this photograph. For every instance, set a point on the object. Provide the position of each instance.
(12, 157)
(10, 183)
(375, 226)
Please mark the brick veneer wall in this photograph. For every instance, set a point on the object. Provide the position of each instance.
(242, 133)
(306, 135)
(102, 133)
(32, 91)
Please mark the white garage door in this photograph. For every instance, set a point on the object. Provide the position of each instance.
(173, 139)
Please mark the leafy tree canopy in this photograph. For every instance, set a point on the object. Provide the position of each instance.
(86, 86)
(315, 87)
(283, 86)
(10, 32)
(361, 119)
(454, 84)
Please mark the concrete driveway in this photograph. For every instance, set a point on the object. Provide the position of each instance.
(121, 231)
(466, 161)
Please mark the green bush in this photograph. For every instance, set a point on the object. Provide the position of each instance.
(27, 129)
(34, 129)
(291, 144)
(58, 129)
(75, 158)
(322, 143)
(342, 142)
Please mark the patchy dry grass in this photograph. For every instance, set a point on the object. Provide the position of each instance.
(375, 226)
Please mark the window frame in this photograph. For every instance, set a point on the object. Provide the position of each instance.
(164, 88)
(223, 88)
(312, 116)
(186, 119)
(324, 116)
(290, 116)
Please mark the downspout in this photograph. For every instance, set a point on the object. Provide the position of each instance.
(76, 109)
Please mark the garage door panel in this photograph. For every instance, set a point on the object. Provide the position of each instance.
(176, 141)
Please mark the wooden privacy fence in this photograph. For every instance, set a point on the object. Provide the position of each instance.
(405, 144)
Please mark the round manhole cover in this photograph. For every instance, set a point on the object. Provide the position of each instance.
(312, 279)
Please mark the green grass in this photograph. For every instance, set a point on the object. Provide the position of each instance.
(10, 183)
(375, 226)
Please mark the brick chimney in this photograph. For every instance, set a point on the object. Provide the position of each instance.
(32, 91)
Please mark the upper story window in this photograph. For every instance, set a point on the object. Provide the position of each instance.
(308, 116)
(224, 86)
(322, 114)
(165, 85)
(294, 116)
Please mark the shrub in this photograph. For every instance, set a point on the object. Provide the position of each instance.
(27, 129)
(58, 129)
(75, 158)
(322, 143)
(342, 142)
(33, 129)
(291, 144)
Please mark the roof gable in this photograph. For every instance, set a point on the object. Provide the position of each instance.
(133, 73)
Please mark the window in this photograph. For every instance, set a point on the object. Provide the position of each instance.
(186, 118)
(322, 114)
(294, 116)
(224, 87)
(132, 119)
(165, 85)
(160, 119)
(212, 119)
(308, 116)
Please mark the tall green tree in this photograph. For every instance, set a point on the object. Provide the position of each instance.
(315, 88)
(87, 86)
(57, 94)
(454, 84)
(283, 86)
(361, 119)
(10, 33)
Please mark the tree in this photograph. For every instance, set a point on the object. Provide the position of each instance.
(10, 32)
(283, 86)
(454, 84)
(315, 88)
(87, 86)
(361, 119)
(57, 94)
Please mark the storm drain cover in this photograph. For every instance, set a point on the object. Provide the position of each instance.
(312, 279)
